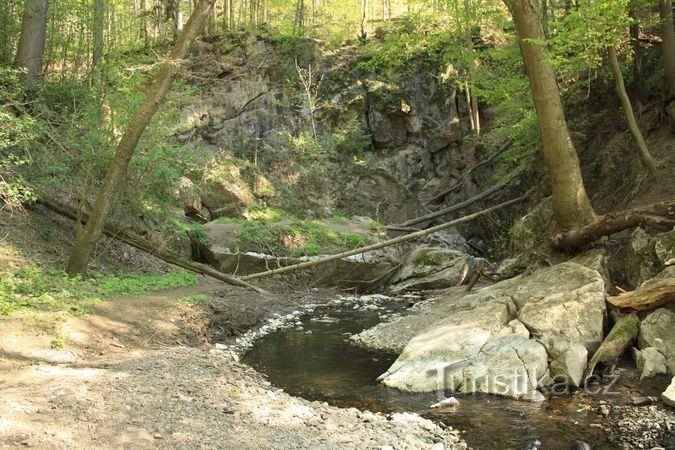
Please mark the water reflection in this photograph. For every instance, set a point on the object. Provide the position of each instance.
(318, 363)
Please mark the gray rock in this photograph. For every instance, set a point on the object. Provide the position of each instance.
(431, 360)
(595, 259)
(477, 345)
(668, 396)
(571, 307)
(657, 330)
(509, 366)
(568, 361)
(650, 362)
(430, 268)
(647, 255)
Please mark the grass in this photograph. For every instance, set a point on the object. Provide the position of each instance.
(34, 289)
(296, 238)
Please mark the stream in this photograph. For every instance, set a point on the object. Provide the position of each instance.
(317, 362)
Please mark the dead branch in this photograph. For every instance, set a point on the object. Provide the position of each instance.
(453, 208)
(658, 215)
(387, 243)
(135, 240)
(468, 172)
(646, 298)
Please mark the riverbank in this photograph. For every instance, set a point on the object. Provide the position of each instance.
(141, 373)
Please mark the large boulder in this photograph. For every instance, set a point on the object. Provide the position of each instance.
(657, 330)
(442, 350)
(430, 268)
(225, 193)
(560, 313)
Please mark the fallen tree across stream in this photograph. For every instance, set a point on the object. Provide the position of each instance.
(387, 243)
(137, 241)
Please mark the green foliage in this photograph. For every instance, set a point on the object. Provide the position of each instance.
(295, 237)
(17, 132)
(51, 290)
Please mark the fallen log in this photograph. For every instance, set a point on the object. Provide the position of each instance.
(468, 172)
(452, 208)
(137, 241)
(658, 215)
(646, 298)
(387, 243)
(623, 332)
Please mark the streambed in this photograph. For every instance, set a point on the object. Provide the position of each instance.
(316, 361)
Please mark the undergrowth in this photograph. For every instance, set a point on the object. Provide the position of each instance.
(35, 289)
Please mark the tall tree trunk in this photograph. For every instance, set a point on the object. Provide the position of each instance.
(668, 45)
(32, 40)
(97, 34)
(86, 239)
(638, 71)
(571, 206)
(646, 157)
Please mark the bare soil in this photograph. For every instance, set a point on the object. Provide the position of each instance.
(142, 371)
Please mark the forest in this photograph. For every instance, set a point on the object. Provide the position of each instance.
(322, 224)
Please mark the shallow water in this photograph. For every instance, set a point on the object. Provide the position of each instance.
(323, 365)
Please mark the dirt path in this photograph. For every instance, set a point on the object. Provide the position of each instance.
(139, 373)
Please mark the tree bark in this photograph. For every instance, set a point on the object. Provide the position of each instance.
(115, 176)
(646, 298)
(133, 239)
(97, 34)
(623, 332)
(571, 206)
(30, 51)
(646, 157)
(659, 215)
(387, 243)
(668, 46)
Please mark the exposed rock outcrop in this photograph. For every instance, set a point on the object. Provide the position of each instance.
(509, 338)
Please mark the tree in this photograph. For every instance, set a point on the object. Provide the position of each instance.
(97, 33)
(646, 157)
(571, 206)
(30, 52)
(89, 235)
(668, 37)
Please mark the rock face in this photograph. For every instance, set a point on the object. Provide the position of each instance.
(225, 193)
(647, 255)
(657, 331)
(509, 338)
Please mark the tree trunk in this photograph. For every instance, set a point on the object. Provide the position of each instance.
(659, 215)
(668, 45)
(390, 242)
(571, 206)
(646, 298)
(486, 193)
(86, 239)
(638, 71)
(31, 47)
(136, 241)
(623, 332)
(646, 157)
(97, 34)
